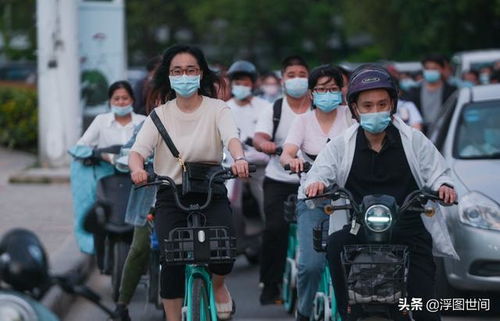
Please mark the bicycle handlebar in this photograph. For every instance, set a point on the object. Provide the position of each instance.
(307, 167)
(165, 180)
(418, 195)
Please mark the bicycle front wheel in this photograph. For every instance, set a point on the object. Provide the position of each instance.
(200, 307)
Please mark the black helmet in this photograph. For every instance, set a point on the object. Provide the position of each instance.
(367, 77)
(242, 67)
(23, 261)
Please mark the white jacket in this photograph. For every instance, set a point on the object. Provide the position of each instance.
(427, 165)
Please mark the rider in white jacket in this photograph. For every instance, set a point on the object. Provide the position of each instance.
(382, 155)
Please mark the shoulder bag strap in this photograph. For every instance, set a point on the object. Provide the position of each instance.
(166, 137)
(277, 107)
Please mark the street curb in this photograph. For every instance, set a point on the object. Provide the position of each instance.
(58, 301)
(41, 176)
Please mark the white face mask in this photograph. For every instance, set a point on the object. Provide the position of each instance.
(296, 87)
(270, 90)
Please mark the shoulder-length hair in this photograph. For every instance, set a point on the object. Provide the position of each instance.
(161, 91)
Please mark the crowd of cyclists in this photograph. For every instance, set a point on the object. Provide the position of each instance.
(360, 129)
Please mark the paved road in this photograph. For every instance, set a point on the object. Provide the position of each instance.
(243, 286)
(43, 208)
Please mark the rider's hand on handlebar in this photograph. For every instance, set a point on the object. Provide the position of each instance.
(139, 177)
(268, 148)
(316, 188)
(240, 168)
(447, 194)
(296, 165)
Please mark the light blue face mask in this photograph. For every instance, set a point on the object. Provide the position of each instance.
(407, 83)
(375, 122)
(492, 136)
(185, 86)
(328, 101)
(431, 75)
(122, 111)
(241, 92)
(296, 87)
(484, 78)
(466, 84)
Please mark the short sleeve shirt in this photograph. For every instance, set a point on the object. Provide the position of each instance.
(274, 170)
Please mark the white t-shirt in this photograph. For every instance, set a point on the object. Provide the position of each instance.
(105, 131)
(307, 135)
(409, 113)
(274, 170)
(246, 118)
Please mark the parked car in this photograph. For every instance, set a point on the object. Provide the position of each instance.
(24, 72)
(473, 60)
(468, 136)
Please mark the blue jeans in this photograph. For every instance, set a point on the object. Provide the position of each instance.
(311, 264)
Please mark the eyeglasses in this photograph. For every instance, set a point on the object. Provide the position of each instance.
(322, 90)
(190, 71)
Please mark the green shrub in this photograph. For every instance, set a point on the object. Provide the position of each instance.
(18, 118)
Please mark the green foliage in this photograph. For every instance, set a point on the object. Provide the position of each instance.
(18, 18)
(409, 29)
(18, 117)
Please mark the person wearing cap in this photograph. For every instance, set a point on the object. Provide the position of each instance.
(246, 109)
(383, 155)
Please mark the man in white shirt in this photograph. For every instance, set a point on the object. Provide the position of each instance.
(246, 109)
(270, 134)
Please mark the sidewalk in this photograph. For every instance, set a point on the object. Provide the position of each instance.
(46, 209)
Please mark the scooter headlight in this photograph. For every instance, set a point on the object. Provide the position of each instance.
(14, 308)
(378, 218)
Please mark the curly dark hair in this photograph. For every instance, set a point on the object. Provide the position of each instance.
(162, 92)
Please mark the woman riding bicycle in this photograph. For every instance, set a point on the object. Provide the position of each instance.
(199, 126)
(309, 133)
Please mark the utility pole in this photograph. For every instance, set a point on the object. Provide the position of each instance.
(59, 107)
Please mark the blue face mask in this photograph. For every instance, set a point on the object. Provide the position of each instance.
(484, 78)
(122, 111)
(431, 75)
(407, 83)
(241, 92)
(375, 122)
(185, 86)
(296, 87)
(327, 101)
(492, 136)
(466, 84)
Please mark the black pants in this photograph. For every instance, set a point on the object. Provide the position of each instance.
(421, 273)
(275, 236)
(169, 216)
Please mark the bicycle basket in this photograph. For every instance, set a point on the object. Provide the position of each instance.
(290, 209)
(375, 273)
(200, 246)
(320, 236)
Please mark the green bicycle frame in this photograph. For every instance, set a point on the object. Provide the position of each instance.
(326, 292)
(288, 287)
(199, 272)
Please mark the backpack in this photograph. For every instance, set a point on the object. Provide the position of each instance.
(277, 107)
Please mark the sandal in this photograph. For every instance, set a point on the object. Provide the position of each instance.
(225, 311)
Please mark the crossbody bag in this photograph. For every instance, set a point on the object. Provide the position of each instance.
(195, 176)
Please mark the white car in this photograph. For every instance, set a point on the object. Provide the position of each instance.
(468, 135)
(473, 60)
